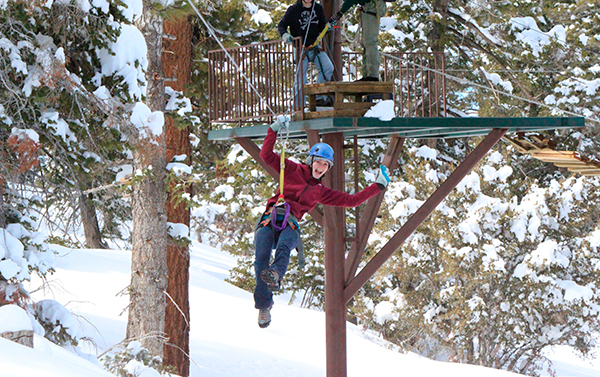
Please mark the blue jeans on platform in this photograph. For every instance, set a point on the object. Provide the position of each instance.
(324, 67)
(265, 240)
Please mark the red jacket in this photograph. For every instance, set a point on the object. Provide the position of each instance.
(301, 191)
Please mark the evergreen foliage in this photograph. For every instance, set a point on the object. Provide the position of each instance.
(55, 137)
(491, 278)
(506, 267)
(134, 360)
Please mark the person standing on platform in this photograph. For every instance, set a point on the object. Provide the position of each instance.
(370, 13)
(306, 19)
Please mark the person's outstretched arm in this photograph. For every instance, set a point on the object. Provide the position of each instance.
(342, 199)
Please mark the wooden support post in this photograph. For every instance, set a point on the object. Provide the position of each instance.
(313, 137)
(330, 7)
(390, 159)
(423, 212)
(335, 306)
(254, 151)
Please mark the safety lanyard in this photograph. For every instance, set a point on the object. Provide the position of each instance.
(284, 140)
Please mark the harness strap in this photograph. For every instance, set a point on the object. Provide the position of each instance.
(320, 36)
(281, 198)
(267, 218)
(285, 216)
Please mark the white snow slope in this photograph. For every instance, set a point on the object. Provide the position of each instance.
(225, 339)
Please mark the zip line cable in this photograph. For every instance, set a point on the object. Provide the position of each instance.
(298, 64)
(283, 139)
(465, 81)
(212, 33)
(525, 27)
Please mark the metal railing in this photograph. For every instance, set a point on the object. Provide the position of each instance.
(419, 83)
(258, 86)
(268, 68)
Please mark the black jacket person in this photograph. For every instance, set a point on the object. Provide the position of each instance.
(297, 18)
(305, 19)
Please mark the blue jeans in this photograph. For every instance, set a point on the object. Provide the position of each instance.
(324, 66)
(265, 240)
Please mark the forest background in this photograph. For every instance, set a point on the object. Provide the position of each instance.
(508, 264)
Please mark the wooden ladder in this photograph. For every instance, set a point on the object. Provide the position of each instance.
(543, 149)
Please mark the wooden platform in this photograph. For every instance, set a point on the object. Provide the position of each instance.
(349, 97)
(543, 149)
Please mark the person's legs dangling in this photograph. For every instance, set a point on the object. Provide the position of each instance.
(264, 241)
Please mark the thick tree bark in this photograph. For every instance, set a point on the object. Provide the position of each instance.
(146, 320)
(89, 221)
(177, 64)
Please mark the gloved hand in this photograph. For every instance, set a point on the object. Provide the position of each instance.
(383, 178)
(280, 122)
(287, 38)
(333, 21)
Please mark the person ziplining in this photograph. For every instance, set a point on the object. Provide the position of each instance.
(299, 192)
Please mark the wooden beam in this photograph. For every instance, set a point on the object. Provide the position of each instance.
(313, 137)
(335, 247)
(406, 127)
(390, 159)
(254, 151)
(422, 213)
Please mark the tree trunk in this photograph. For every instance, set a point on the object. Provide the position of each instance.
(2, 209)
(435, 39)
(435, 36)
(146, 320)
(89, 221)
(177, 64)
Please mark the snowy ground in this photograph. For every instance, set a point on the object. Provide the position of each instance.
(225, 339)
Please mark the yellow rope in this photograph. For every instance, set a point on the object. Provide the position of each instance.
(323, 32)
(281, 198)
(284, 140)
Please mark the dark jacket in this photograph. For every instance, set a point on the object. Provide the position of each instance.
(297, 18)
(350, 3)
(301, 190)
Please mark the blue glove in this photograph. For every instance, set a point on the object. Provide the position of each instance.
(383, 178)
(287, 38)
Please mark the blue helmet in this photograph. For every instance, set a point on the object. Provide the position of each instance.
(320, 151)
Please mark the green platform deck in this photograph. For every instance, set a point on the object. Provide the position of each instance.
(421, 128)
